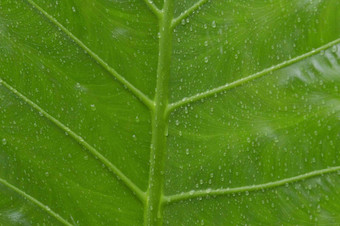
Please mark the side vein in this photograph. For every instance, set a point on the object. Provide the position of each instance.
(153, 7)
(225, 191)
(249, 78)
(134, 188)
(139, 94)
(187, 12)
(35, 201)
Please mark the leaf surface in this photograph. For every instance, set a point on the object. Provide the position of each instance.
(169, 112)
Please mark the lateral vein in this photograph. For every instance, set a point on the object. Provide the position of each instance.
(153, 7)
(134, 188)
(225, 191)
(187, 12)
(249, 78)
(139, 94)
(35, 201)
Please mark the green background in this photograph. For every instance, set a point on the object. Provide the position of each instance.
(280, 125)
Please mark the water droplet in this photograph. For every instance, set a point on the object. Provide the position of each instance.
(213, 24)
(4, 141)
(177, 122)
(93, 107)
(334, 49)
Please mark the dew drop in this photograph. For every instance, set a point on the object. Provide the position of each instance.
(177, 122)
(334, 49)
(213, 24)
(93, 107)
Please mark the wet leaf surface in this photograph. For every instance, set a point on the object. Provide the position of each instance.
(169, 112)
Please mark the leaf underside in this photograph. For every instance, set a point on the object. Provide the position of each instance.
(169, 112)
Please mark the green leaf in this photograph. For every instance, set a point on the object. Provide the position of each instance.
(196, 112)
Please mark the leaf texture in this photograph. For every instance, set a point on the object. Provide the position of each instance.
(197, 112)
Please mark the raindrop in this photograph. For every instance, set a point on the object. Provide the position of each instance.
(4, 141)
(93, 107)
(334, 49)
(177, 122)
(213, 24)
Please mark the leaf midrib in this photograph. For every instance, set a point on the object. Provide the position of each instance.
(177, 197)
(170, 107)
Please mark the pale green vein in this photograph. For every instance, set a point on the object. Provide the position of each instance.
(134, 188)
(249, 78)
(35, 201)
(225, 191)
(153, 8)
(153, 206)
(139, 94)
(187, 12)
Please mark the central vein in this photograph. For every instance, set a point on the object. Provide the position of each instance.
(153, 205)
